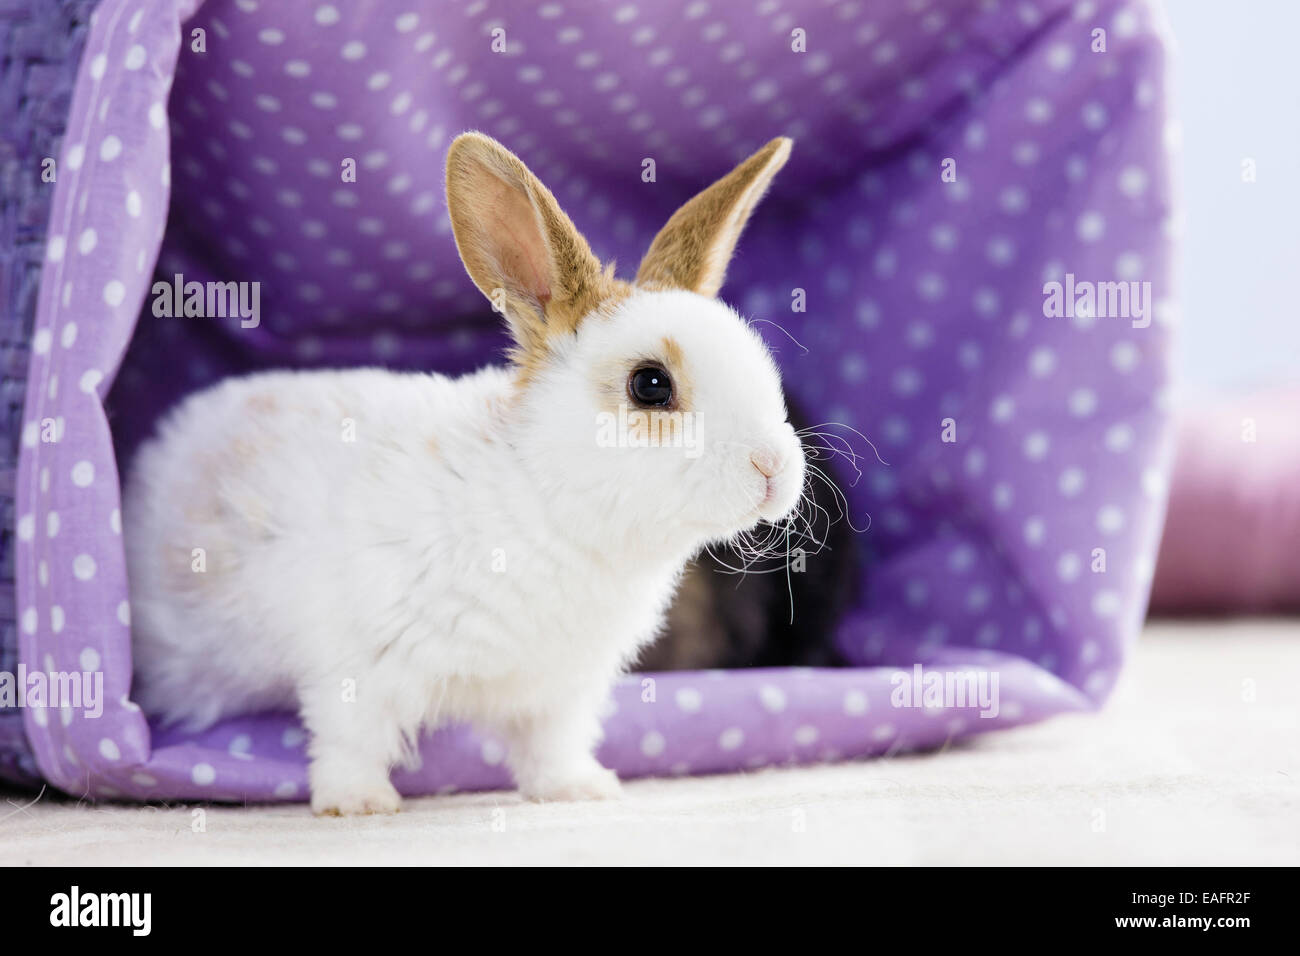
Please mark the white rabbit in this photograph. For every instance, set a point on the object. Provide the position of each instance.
(390, 552)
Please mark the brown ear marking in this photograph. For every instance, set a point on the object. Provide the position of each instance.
(520, 248)
(692, 250)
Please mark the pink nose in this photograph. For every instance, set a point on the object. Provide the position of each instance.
(766, 462)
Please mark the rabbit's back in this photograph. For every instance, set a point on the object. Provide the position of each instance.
(268, 506)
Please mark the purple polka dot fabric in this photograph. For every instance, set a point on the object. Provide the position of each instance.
(951, 158)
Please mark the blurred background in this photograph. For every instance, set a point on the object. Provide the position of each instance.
(1233, 523)
(1236, 83)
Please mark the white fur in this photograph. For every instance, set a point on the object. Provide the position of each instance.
(503, 575)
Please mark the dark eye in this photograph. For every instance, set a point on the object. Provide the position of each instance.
(650, 385)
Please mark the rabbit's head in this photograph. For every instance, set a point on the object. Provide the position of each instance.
(650, 403)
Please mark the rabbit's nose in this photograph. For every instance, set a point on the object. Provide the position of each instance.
(767, 463)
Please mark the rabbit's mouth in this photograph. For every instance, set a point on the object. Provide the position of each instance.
(779, 496)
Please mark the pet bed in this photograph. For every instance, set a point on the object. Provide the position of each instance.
(951, 159)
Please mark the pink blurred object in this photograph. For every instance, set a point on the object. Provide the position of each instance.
(1232, 536)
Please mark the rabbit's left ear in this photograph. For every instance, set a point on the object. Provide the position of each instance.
(692, 251)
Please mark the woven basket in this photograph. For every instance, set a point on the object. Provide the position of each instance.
(40, 48)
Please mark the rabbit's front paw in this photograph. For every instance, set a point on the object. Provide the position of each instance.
(591, 783)
(352, 797)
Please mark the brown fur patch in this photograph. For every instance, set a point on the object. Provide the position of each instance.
(692, 250)
(262, 403)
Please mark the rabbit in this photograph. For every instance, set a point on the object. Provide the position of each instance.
(386, 553)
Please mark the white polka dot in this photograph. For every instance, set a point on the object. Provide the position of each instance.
(87, 241)
(731, 738)
(143, 780)
(1060, 56)
(298, 68)
(1119, 437)
(1129, 266)
(1068, 566)
(124, 613)
(772, 698)
(1083, 402)
(76, 156)
(1036, 445)
(26, 527)
(83, 566)
(56, 247)
(30, 620)
(110, 148)
(134, 206)
(492, 753)
(52, 524)
(286, 789)
(108, 749)
(1124, 356)
(406, 22)
(203, 774)
(157, 116)
(98, 65)
(1002, 496)
(1071, 482)
(1110, 519)
(1038, 110)
(57, 620)
(271, 36)
(653, 744)
(1094, 116)
(90, 380)
(855, 703)
(114, 292)
(1105, 604)
(1125, 23)
(1014, 200)
(806, 735)
(1035, 531)
(1132, 181)
(136, 57)
(689, 699)
(1090, 227)
(89, 659)
(1042, 362)
(353, 50)
(83, 474)
(326, 15)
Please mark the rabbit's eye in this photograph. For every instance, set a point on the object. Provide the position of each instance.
(650, 385)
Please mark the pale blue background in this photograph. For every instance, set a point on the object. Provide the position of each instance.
(1236, 87)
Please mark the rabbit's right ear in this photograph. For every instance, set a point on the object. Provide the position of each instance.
(692, 251)
(518, 246)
